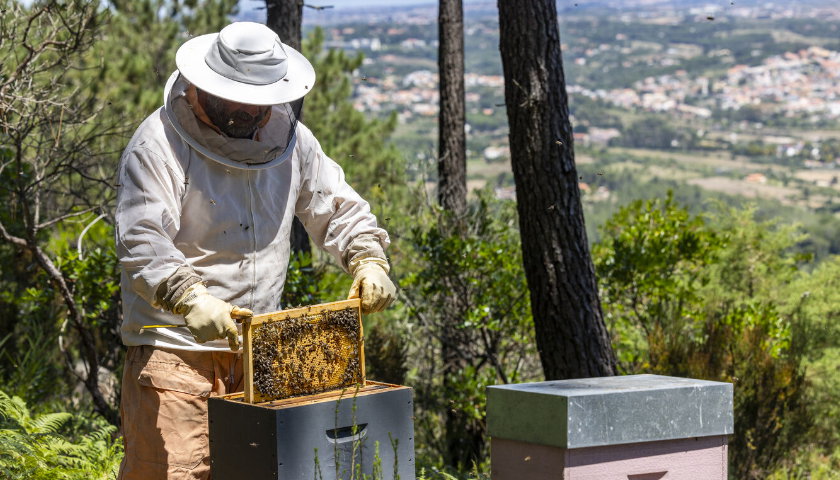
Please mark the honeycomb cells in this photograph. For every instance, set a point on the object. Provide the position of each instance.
(306, 355)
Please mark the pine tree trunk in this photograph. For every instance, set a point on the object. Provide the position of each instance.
(452, 142)
(285, 18)
(571, 336)
(463, 435)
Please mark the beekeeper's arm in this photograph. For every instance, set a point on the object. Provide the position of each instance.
(148, 217)
(340, 221)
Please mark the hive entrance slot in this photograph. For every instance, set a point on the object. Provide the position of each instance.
(347, 434)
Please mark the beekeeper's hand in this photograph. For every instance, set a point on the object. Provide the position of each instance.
(208, 317)
(371, 284)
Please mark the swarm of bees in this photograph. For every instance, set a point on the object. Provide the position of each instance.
(307, 355)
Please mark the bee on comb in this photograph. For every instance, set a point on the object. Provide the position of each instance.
(303, 351)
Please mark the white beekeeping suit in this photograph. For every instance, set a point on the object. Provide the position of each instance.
(195, 205)
(208, 188)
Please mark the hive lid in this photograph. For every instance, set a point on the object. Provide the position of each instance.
(303, 351)
(592, 412)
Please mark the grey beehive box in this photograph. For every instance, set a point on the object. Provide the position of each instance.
(305, 438)
(610, 410)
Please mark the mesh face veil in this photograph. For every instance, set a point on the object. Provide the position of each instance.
(234, 120)
(242, 121)
(253, 136)
(289, 114)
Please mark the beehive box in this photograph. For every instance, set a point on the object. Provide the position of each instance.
(637, 427)
(337, 435)
(303, 351)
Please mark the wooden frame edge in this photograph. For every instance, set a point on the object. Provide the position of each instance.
(247, 362)
(311, 310)
(361, 343)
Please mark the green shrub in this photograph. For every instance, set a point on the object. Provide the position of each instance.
(471, 323)
(710, 298)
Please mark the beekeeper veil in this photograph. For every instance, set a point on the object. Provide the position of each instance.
(244, 76)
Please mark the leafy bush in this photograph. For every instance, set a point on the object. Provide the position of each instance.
(33, 447)
(43, 347)
(815, 296)
(469, 308)
(709, 298)
(655, 132)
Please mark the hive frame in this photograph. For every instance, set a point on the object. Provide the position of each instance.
(249, 324)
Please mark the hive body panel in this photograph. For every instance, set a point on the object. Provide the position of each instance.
(322, 436)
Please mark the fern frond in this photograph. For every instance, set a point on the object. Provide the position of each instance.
(33, 448)
(47, 423)
(13, 409)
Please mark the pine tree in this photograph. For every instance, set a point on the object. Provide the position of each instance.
(285, 17)
(571, 336)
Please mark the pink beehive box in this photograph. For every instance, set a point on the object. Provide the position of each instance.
(635, 427)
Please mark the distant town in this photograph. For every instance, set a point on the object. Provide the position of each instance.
(740, 99)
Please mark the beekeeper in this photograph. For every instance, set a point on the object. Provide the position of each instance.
(208, 188)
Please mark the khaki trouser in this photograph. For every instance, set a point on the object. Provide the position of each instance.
(164, 410)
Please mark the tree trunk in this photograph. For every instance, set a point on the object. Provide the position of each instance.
(463, 434)
(285, 18)
(571, 336)
(452, 142)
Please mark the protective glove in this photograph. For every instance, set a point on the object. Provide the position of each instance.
(371, 284)
(208, 317)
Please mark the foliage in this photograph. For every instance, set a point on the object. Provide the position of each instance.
(32, 364)
(809, 463)
(53, 148)
(303, 281)
(587, 112)
(374, 168)
(487, 335)
(630, 177)
(386, 351)
(815, 295)
(655, 132)
(650, 256)
(33, 447)
(433, 473)
(359, 144)
(137, 50)
(708, 298)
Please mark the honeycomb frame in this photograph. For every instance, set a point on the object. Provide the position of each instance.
(303, 351)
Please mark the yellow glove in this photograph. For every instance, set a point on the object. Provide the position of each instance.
(371, 284)
(208, 317)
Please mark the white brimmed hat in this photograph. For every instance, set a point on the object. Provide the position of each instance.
(246, 63)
